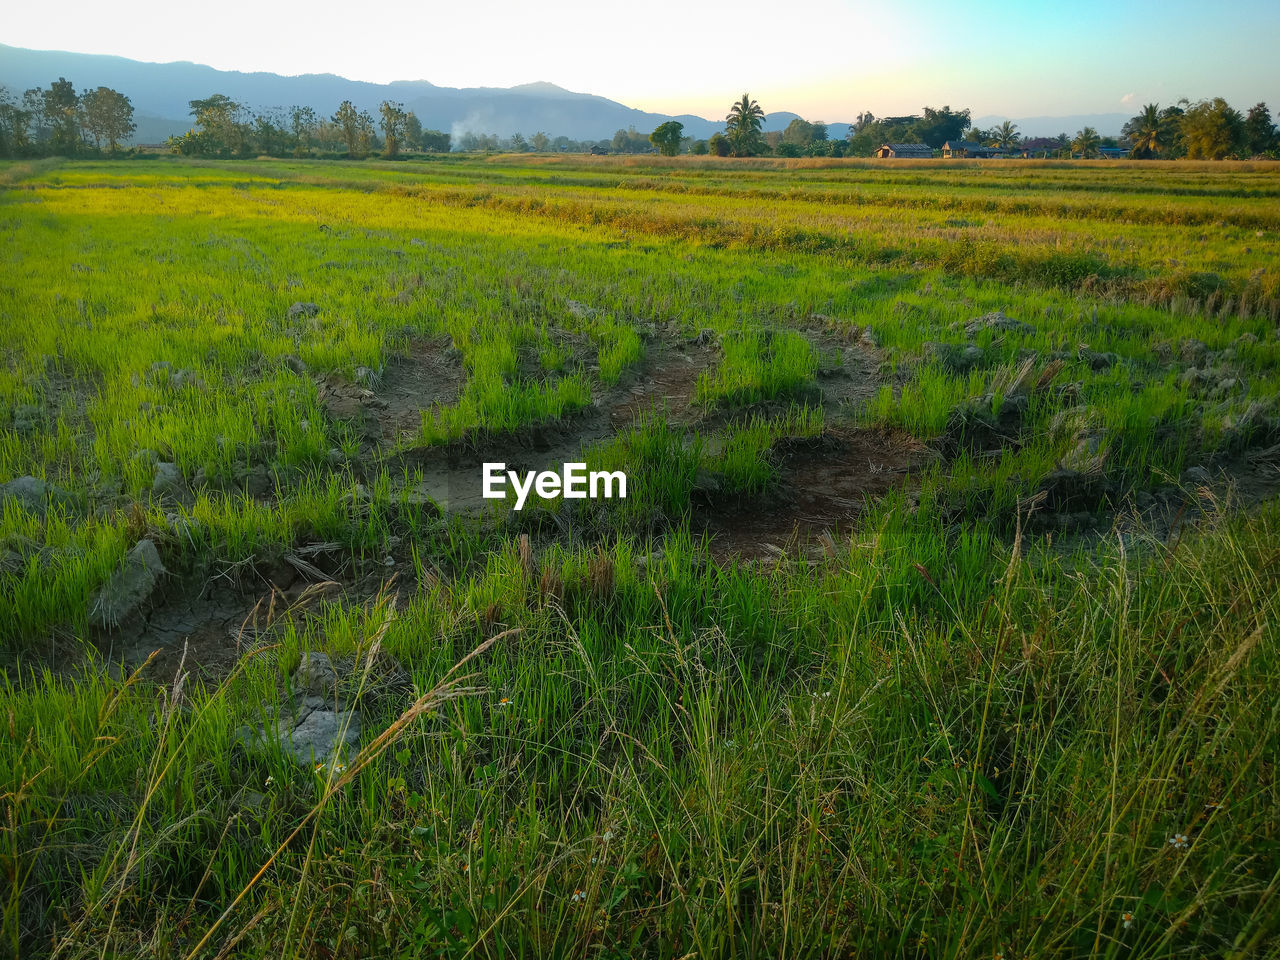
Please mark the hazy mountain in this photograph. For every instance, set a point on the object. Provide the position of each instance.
(1107, 124)
(160, 93)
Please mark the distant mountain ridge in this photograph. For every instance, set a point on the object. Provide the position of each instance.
(161, 91)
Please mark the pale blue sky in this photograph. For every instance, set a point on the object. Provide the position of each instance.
(825, 59)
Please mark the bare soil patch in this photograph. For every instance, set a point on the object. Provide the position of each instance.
(824, 488)
(390, 405)
(848, 368)
(665, 380)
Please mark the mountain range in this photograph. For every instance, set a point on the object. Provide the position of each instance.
(160, 93)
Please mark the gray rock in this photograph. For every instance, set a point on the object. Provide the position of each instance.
(129, 587)
(1225, 387)
(1192, 376)
(1192, 350)
(315, 675)
(1099, 361)
(168, 479)
(323, 736)
(301, 309)
(35, 495)
(1196, 475)
(294, 363)
(319, 736)
(255, 481)
(997, 321)
(956, 357)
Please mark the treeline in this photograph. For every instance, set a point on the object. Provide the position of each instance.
(1208, 129)
(61, 121)
(98, 121)
(225, 128)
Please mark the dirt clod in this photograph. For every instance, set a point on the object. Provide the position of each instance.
(129, 587)
(35, 495)
(997, 321)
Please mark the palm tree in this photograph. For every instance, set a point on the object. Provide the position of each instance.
(742, 127)
(1004, 136)
(1086, 142)
(1150, 131)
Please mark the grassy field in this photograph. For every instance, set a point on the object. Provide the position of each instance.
(939, 620)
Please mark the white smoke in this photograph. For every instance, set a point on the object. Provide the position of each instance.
(478, 122)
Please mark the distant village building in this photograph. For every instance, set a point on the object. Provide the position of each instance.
(1113, 153)
(598, 151)
(957, 149)
(1041, 147)
(904, 151)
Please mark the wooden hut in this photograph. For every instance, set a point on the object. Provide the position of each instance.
(905, 151)
(967, 149)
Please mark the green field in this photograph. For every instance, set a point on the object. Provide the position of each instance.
(938, 621)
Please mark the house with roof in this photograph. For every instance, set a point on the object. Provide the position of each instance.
(905, 151)
(967, 149)
(1041, 147)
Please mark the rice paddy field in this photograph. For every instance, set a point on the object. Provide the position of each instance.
(939, 619)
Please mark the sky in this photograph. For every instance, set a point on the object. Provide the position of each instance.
(824, 59)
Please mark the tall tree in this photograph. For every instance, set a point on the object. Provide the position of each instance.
(357, 128)
(1212, 130)
(271, 134)
(938, 125)
(1151, 132)
(1005, 136)
(742, 127)
(435, 141)
(412, 131)
(667, 137)
(798, 133)
(304, 123)
(1259, 130)
(107, 115)
(1087, 142)
(15, 125)
(393, 119)
(221, 130)
(62, 114)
